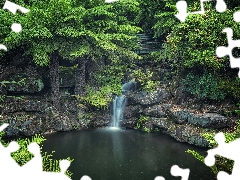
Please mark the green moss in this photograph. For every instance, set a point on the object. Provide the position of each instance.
(39, 84)
(141, 121)
(68, 70)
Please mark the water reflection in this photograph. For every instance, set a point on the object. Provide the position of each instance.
(117, 154)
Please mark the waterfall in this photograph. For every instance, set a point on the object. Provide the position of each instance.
(129, 86)
(118, 109)
(119, 104)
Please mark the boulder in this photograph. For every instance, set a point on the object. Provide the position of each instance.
(98, 119)
(211, 120)
(206, 120)
(132, 111)
(28, 124)
(189, 134)
(31, 116)
(146, 99)
(182, 133)
(129, 123)
(157, 110)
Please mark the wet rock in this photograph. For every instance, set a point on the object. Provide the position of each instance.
(206, 120)
(189, 134)
(129, 123)
(99, 119)
(29, 124)
(146, 99)
(162, 123)
(132, 111)
(178, 117)
(31, 81)
(182, 133)
(212, 120)
(26, 105)
(28, 117)
(157, 110)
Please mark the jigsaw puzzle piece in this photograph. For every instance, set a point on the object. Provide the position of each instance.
(35, 164)
(88, 178)
(3, 126)
(182, 10)
(226, 150)
(177, 171)
(5, 156)
(236, 16)
(221, 6)
(223, 176)
(221, 51)
(64, 164)
(159, 178)
(12, 7)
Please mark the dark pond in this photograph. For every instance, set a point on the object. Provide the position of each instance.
(113, 154)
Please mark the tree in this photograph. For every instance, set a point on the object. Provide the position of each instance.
(146, 16)
(190, 46)
(70, 30)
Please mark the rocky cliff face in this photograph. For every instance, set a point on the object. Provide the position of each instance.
(184, 124)
(27, 107)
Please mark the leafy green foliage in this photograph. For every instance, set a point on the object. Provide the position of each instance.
(222, 164)
(72, 29)
(145, 80)
(191, 46)
(22, 156)
(230, 86)
(146, 17)
(99, 99)
(141, 121)
(204, 86)
(5, 83)
(105, 82)
(200, 157)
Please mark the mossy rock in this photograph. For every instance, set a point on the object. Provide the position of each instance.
(67, 76)
(29, 83)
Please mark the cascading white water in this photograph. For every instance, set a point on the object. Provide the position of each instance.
(118, 109)
(119, 104)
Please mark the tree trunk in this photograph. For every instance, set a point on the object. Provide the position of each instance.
(80, 77)
(54, 77)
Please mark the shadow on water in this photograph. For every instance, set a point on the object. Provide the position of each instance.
(117, 154)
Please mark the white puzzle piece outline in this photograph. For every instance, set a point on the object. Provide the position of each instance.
(13, 8)
(227, 150)
(33, 168)
(182, 8)
(222, 51)
(177, 171)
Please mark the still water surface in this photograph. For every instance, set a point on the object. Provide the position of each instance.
(117, 154)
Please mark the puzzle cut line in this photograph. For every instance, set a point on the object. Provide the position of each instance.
(177, 171)
(226, 150)
(182, 8)
(10, 169)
